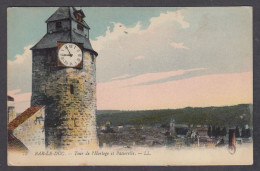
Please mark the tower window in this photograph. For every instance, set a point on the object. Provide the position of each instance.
(79, 27)
(79, 17)
(71, 89)
(58, 24)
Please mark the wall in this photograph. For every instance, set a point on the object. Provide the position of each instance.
(85, 32)
(44, 63)
(31, 132)
(11, 113)
(71, 118)
(65, 25)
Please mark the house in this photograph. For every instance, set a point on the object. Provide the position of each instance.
(15, 145)
(108, 123)
(181, 130)
(28, 127)
(102, 127)
(120, 127)
(172, 127)
(11, 109)
(201, 130)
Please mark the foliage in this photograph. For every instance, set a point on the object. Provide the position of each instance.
(209, 131)
(238, 115)
(237, 133)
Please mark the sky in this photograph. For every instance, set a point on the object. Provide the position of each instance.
(149, 58)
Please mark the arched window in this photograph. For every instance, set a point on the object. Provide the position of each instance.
(71, 89)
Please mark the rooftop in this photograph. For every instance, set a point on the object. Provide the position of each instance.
(50, 39)
(14, 144)
(63, 13)
(9, 98)
(23, 117)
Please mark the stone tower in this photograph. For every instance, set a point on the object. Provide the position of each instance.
(172, 126)
(64, 80)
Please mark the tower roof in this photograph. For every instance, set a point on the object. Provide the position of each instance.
(63, 13)
(50, 39)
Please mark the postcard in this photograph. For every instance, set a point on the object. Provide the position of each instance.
(139, 86)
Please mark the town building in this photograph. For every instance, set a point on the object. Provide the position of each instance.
(201, 130)
(10, 109)
(28, 128)
(15, 145)
(181, 130)
(172, 127)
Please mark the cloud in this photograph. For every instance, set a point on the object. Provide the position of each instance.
(139, 57)
(22, 97)
(19, 97)
(120, 77)
(209, 90)
(152, 77)
(169, 17)
(19, 76)
(208, 41)
(21, 100)
(119, 31)
(179, 46)
(21, 59)
(132, 56)
(13, 92)
(150, 46)
(19, 71)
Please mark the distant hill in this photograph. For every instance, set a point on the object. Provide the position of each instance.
(100, 112)
(237, 115)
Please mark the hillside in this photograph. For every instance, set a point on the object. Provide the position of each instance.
(237, 115)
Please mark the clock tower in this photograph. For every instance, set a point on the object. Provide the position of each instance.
(64, 80)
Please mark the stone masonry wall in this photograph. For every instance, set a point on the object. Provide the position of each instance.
(31, 132)
(43, 65)
(11, 113)
(70, 98)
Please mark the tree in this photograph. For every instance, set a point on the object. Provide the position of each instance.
(214, 131)
(243, 132)
(224, 131)
(237, 132)
(248, 133)
(209, 131)
(218, 132)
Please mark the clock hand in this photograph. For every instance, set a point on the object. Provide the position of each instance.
(68, 51)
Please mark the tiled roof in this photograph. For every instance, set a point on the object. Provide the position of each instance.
(60, 14)
(14, 144)
(9, 98)
(23, 117)
(50, 40)
(65, 13)
(75, 37)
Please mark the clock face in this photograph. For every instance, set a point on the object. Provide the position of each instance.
(70, 55)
